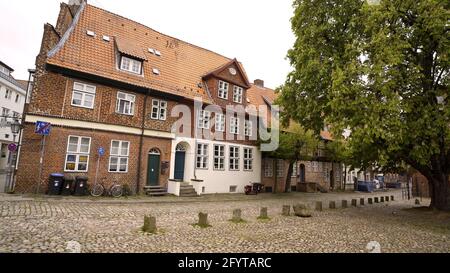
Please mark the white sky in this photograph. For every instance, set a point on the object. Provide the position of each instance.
(256, 32)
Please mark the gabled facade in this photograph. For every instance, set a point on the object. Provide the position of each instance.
(104, 81)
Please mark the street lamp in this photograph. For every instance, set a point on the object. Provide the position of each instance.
(16, 126)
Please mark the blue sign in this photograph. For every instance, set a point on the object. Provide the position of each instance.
(101, 151)
(43, 128)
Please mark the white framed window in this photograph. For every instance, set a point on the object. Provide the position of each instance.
(8, 94)
(220, 122)
(248, 129)
(204, 118)
(248, 159)
(125, 103)
(234, 126)
(118, 160)
(83, 95)
(295, 170)
(234, 158)
(5, 113)
(237, 94)
(219, 157)
(77, 156)
(280, 168)
(159, 109)
(268, 168)
(131, 65)
(202, 156)
(223, 90)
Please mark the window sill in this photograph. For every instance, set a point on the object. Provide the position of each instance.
(80, 106)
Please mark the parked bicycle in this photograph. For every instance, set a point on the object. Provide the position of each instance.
(116, 190)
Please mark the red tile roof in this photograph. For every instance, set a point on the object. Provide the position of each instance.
(181, 64)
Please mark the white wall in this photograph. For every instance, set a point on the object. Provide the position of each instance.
(217, 181)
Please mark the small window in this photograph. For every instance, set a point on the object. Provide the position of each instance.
(233, 189)
(77, 156)
(268, 168)
(202, 156)
(234, 158)
(223, 90)
(125, 103)
(295, 170)
(130, 65)
(118, 160)
(17, 98)
(204, 118)
(237, 94)
(234, 126)
(159, 109)
(220, 122)
(248, 128)
(248, 159)
(83, 95)
(8, 94)
(280, 168)
(219, 157)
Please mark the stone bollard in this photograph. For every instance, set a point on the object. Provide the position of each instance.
(377, 200)
(332, 205)
(203, 219)
(382, 199)
(370, 201)
(302, 210)
(263, 214)
(319, 206)
(362, 201)
(237, 213)
(149, 224)
(286, 211)
(392, 198)
(344, 204)
(354, 203)
(387, 198)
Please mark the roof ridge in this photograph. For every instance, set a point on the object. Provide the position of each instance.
(191, 44)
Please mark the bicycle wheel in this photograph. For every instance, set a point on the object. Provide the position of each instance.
(97, 190)
(116, 191)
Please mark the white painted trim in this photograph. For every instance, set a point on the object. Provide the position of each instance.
(98, 126)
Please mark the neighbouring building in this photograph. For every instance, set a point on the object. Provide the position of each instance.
(319, 174)
(12, 100)
(104, 81)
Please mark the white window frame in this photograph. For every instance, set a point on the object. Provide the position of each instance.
(128, 98)
(83, 90)
(222, 91)
(268, 168)
(220, 122)
(119, 156)
(78, 153)
(280, 171)
(201, 159)
(248, 128)
(234, 156)
(248, 159)
(234, 126)
(131, 65)
(238, 93)
(295, 170)
(204, 118)
(219, 157)
(159, 109)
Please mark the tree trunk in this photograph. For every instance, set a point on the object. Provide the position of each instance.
(439, 185)
(287, 186)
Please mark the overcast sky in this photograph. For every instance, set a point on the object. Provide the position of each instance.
(256, 32)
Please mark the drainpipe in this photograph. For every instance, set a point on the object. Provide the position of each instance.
(141, 143)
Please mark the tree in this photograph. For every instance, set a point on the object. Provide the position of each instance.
(381, 70)
(295, 144)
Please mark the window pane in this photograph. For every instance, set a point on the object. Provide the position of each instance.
(77, 98)
(115, 148)
(124, 151)
(88, 100)
(73, 145)
(84, 148)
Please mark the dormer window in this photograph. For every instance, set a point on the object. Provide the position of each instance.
(131, 65)
(223, 90)
(237, 94)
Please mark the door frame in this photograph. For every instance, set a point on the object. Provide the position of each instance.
(153, 152)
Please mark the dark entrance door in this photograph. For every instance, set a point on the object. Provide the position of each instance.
(153, 169)
(302, 173)
(180, 158)
(332, 180)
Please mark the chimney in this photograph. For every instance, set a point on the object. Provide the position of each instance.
(259, 83)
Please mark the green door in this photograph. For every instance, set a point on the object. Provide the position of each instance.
(153, 170)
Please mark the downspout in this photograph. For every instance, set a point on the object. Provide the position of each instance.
(141, 144)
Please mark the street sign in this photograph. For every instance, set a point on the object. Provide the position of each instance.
(101, 151)
(12, 147)
(43, 128)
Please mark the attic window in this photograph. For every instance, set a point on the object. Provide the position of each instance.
(151, 50)
(90, 33)
(156, 71)
(131, 65)
(106, 38)
(157, 53)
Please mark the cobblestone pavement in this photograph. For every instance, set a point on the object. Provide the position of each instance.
(47, 225)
